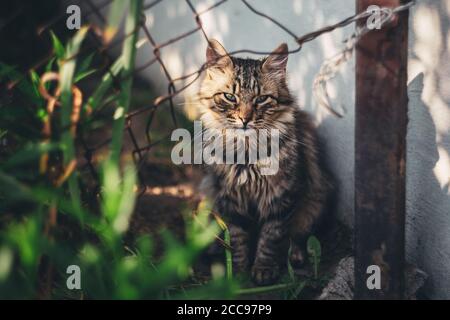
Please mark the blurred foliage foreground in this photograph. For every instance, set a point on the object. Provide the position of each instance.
(46, 224)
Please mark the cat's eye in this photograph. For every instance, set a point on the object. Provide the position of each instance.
(261, 99)
(230, 97)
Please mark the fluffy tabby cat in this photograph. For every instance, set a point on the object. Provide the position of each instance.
(263, 212)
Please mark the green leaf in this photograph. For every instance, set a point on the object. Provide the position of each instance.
(85, 64)
(80, 76)
(289, 265)
(267, 289)
(48, 68)
(128, 56)
(11, 190)
(96, 99)
(228, 254)
(30, 152)
(57, 46)
(66, 74)
(314, 251)
(298, 290)
(49, 65)
(26, 237)
(35, 82)
(10, 73)
(118, 195)
(115, 16)
(83, 69)
(6, 262)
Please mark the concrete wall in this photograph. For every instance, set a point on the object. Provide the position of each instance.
(428, 157)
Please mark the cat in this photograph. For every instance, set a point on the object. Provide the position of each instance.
(265, 214)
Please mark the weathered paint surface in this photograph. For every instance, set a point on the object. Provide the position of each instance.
(380, 138)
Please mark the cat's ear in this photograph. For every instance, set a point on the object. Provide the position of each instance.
(276, 62)
(216, 55)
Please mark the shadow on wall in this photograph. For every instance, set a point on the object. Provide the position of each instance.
(428, 145)
(428, 234)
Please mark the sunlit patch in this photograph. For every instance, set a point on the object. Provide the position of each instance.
(179, 191)
(442, 168)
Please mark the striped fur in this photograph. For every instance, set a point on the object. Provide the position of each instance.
(263, 211)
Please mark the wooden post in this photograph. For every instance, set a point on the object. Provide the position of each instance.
(380, 144)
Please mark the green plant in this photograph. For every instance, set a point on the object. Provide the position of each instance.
(49, 217)
(128, 57)
(46, 224)
(314, 252)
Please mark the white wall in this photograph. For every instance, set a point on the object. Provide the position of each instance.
(428, 141)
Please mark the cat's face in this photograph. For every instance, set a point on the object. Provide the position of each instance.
(245, 93)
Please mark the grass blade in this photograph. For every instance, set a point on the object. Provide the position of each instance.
(314, 250)
(97, 97)
(267, 289)
(227, 239)
(66, 74)
(128, 57)
(114, 18)
(57, 46)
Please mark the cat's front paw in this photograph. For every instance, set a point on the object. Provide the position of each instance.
(264, 275)
(241, 267)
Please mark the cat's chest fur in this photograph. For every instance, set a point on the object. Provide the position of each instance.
(248, 189)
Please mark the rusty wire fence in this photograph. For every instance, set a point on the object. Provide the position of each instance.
(177, 85)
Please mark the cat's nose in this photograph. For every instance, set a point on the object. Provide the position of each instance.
(245, 121)
(245, 114)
